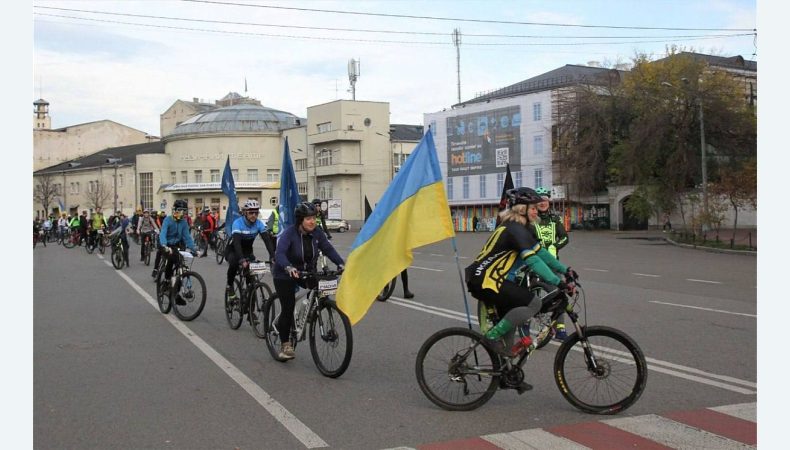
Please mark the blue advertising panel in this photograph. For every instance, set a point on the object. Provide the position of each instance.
(484, 142)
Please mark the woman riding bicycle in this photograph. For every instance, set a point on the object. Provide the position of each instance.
(297, 250)
(491, 277)
(146, 227)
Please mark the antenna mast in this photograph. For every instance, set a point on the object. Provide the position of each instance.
(353, 74)
(457, 43)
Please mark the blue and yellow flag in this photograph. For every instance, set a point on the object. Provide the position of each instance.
(229, 189)
(412, 212)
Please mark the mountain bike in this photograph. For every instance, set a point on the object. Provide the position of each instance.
(222, 243)
(201, 243)
(116, 255)
(331, 341)
(598, 369)
(148, 246)
(251, 295)
(187, 295)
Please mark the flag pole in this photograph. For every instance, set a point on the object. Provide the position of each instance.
(461, 277)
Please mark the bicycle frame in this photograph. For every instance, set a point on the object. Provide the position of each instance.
(315, 295)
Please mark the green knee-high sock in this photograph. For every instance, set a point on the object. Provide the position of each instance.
(499, 330)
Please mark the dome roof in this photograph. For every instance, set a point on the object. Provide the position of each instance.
(236, 118)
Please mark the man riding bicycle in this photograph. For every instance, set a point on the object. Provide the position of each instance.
(146, 226)
(297, 249)
(209, 227)
(243, 232)
(174, 237)
(553, 237)
(98, 222)
(491, 278)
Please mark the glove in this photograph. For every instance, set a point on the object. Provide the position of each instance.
(168, 250)
(341, 268)
(571, 274)
(244, 263)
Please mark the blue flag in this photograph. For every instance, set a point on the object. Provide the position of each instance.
(289, 191)
(229, 189)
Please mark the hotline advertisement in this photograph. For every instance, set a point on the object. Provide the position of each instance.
(484, 142)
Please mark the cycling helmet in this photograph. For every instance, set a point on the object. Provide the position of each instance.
(316, 201)
(522, 196)
(251, 204)
(180, 205)
(303, 210)
(206, 209)
(162, 213)
(543, 192)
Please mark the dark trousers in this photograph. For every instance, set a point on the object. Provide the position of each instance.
(510, 296)
(233, 264)
(286, 291)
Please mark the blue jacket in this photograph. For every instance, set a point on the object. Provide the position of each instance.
(174, 232)
(290, 252)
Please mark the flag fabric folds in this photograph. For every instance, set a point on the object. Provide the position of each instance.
(289, 191)
(368, 209)
(505, 187)
(412, 212)
(229, 189)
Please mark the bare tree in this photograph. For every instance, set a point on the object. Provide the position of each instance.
(45, 191)
(99, 194)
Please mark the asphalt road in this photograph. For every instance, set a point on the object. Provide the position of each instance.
(110, 371)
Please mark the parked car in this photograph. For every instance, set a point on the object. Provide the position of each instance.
(338, 225)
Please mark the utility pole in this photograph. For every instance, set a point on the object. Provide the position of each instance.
(457, 43)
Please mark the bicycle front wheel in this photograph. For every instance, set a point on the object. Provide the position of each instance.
(258, 297)
(189, 297)
(271, 313)
(220, 252)
(456, 373)
(387, 291)
(607, 378)
(70, 241)
(147, 254)
(233, 307)
(117, 257)
(163, 296)
(331, 341)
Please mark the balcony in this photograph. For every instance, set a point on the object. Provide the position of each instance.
(338, 169)
(335, 135)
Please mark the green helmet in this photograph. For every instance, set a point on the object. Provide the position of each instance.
(543, 192)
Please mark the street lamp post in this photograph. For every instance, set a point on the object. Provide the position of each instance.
(114, 161)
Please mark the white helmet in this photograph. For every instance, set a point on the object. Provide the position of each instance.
(251, 204)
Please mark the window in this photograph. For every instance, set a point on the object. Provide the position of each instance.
(214, 203)
(500, 182)
(173, 177)
(517, 181)
(466, 187)
(199, 203)
(538, 177)
(325, 189)
(537, 145)
(120, 180)
(78, 187)
(235, 174)
(449, 188)
(536, 114)
(147, 189)
(90, 187)
(325, 157)
(198, 176)
(398, 160)
(300, 164)
(184, 178)
(215, 175)
(483, 193)
(302, 187)
(271, 174)
(252, 174)
(324, 127)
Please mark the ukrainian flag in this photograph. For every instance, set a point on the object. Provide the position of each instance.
(412, 212)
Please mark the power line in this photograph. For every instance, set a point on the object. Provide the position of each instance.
(363, 30)
(382, 41)
(408, 16)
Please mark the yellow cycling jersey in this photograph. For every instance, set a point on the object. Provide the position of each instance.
(510, 242)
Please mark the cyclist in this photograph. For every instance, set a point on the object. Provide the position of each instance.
(297, 249)
(47, 226)
(135, 220)
(209, 226)
(243, 232)
(161, 218)
(174, 237)
(321, 217)
(553, 237)
(122, 223)
(98, 222)
(63, 225)
(146, 226)
(491, 277)
(84, 227)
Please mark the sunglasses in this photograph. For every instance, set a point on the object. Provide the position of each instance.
(253, 212)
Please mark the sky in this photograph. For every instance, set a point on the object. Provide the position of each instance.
(95, 60)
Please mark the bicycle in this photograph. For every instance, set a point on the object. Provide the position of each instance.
(222, 244)
(315, 309)
(72, 239)
(457, 373)
(251, 295)
(186, 303)
(200, 241)
(388, 290)
(116, 255)
(148, 246)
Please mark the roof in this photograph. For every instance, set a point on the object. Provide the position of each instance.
(567, 75)
(236, 118)
(733, 62)
(127, 153)
(399, 132)
(89, 123)
(41, 101)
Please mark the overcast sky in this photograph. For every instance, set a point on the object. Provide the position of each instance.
(130, 69)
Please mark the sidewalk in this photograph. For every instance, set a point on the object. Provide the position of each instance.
(742, 238)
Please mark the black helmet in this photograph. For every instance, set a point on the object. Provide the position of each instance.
(316, 201)
(180, 204)
(522, 196)
(303, 210)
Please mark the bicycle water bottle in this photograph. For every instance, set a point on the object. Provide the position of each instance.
(521, 345)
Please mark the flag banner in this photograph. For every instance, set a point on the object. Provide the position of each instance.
(412, 212)
(505, 187)
(229, 189)
(289, 191)
(368, 209)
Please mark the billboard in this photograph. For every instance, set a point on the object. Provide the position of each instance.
(484, 142)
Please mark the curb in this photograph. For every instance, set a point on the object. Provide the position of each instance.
(710, 249)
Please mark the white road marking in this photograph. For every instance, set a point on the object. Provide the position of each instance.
(703, 281)
(645, 275)
(295, 426)
(426, 268)
(705, 309)
(672, 434)
(596, 270)
(745, 411)
(654, 365)
(435, 254)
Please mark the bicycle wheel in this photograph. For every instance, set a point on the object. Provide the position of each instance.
(271, 312)
(331, 341)
(189, 297)
(102, 244)
(233, 307)
(202, 245)
(89, 246)
(147, 254)
(117, 257)
(615, 383)
(454, 372)
(258, 297)
(44, 239)
(541, 330)
(163, 296)
(387, 291)
(69, 241)
(221, 251)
